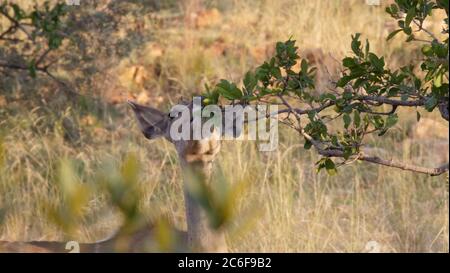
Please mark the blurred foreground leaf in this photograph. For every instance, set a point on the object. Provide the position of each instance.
(75, 197)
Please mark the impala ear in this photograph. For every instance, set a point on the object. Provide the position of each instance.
(152, 122)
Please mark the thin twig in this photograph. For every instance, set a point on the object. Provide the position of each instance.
(10, 29)
(425, 30)
(16, 23)
(42, 57)
(377, 160)
(385, 100)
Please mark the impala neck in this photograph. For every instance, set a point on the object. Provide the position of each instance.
(201, 237)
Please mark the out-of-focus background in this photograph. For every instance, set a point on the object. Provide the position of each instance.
(158, 52)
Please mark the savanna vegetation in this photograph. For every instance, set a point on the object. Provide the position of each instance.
(359, 84)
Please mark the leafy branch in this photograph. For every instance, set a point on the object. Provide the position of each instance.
(366, 85)
(37, 33)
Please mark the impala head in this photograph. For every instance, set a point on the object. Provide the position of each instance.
(155, 124)
(196, 153)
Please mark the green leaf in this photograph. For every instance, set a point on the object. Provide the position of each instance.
(410, 16)
(312, 115)
(343, 81)
(407, 30)
(262, 73)
(441, 50)
(356, 44)
(410, 38)
(418, 116)
(211, 96)
(347, 120)
(377, 121)
(349, 62)
(367, 47)
(304, 66)
(372, 89)
(280, 48)
(394, 8)
(32, 68)
(54, 41)
(378, 63)
(250, 82)
(356, 119)
(330, 167)
(228, 90)
(431, 103)
(391, 121)
(443, 4)
(404, 97)
(437, 81)
(347, 153)
(18, 12)
(393, 91)
(308, 145)
(382, 132)
(347, 95)
(276, 72)
(327, 96)
(392, 34)
(334, 140)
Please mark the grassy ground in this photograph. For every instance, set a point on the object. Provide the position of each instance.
(286, 206)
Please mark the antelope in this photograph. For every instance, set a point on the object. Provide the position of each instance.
(196, 158)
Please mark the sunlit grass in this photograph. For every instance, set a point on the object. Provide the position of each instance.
(285, 204)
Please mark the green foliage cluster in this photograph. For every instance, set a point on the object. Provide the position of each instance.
(42, 27)
(365, 86)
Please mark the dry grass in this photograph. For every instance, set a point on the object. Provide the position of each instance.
(286, 206)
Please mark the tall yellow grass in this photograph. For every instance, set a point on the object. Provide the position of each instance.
(286, 206)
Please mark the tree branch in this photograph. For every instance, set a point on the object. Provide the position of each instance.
(305, 111)
(376, 160)
(403, 166)
(336, 152)
(385, 100)
(10, 29)
(14, 66)
(381, 100)
(389, 163)
(42, 57)
(425, 30)
(16, 23)
(443, 108)
(44, 70)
